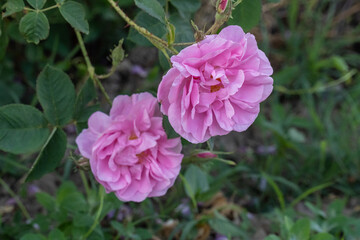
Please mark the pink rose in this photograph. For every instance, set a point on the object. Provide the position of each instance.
(216, 86)
(129, 151)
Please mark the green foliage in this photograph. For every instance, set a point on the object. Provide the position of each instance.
(56, 94)
(197, 181)
(37, 4)
(247, 14)
(19, 134)
(50, 155)
(13, 6)
(74, 14)
(35, 27)
(153, 8)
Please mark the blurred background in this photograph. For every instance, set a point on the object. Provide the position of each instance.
(297, 168)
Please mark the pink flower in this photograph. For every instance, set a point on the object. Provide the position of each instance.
(216, 86)
(129, 151)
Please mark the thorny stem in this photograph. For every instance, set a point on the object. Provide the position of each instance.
(160, 43)
(90, 67)
(183, 44)
(18, 202)
(98, 213)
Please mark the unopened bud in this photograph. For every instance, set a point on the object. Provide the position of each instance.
(222, 6)
(206, 155)
(83, 164)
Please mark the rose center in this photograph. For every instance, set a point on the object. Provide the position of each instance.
(133, 136)
(215, 88)
(142, 156)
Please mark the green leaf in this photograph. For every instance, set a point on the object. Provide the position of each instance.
(32, 236)
(323, 236)
(272, 237)
(56, 94)
(56, 234)
(151, 24)
(74, 202)
(46, 200)
(153, 8)
(223, 226)
(13, 6)
(117, 54)
(50, 156)
(34, 26)
(247, 14)
(186, 6)
(197, 180)
(23, 129)
(37, 4)
(300, 230)
(74, 14)
(87, 93)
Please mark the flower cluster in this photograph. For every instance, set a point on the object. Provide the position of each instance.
(214, 87)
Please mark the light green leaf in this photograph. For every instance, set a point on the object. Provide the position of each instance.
(56, 234)
(74, 14)
(35, 27)
(46, 200)
(186, 6)
(323, 236)
(13, 6)
(272, 237)
(56, 94)
(23, 129)
(50, 156)
(300, 230)
(247, 14)
(153, 8)
(32, 236)
(117, 54)
(197, 180)
(222, 225)
(37, 4)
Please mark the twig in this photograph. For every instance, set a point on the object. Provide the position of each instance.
(90, 67)
(17, 200)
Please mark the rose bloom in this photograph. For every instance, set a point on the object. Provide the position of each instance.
(129, 151)
(216, 86)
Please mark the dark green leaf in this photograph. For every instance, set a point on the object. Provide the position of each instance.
(74, 14)
(23, 129)
(186, 6)
(153, 8)
(13, 6)
(86, 94)
(247, 14)
(56, 94)
(197, 180)
(50, 156)
(37, 4)
(46, 200)
(34, 26)
(4, 39)
(56, 234)
(300, 230)
(183, 29)
(151, 24)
